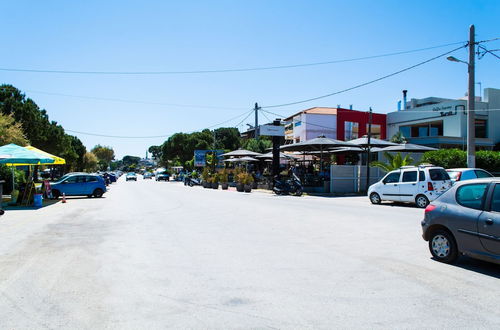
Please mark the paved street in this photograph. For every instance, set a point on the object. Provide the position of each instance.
(155, 255)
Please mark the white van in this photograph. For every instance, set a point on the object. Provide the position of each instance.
(414, 184)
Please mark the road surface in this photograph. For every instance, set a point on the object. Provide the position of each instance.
(157, 255)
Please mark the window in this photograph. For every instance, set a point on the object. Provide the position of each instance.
(71, 179)
(376, 131)
(471, 195)
(422, 130)
(483, 174)
(495, 201)
(351, 130)
(91, 179)
(392, 177)
(421, 176)
(481, 128)
(438, 175)
(468, 175)
(410, 176)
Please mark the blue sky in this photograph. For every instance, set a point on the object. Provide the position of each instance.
(204, 35)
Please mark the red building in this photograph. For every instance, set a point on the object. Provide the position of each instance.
(335, 123)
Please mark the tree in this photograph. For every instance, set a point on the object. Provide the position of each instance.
(399, 138)
(393, 162)
(90, 162)
(156, 152)
(104, 155)
(11, 132)
(259, 145)
(227, 138)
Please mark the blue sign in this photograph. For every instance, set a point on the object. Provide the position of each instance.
(200, 157)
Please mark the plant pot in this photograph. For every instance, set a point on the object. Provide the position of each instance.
(206, 185)
(225, 186)
(215, 185)
(240, 187)
(248, 188)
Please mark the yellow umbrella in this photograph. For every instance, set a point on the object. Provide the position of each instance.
(57, 160)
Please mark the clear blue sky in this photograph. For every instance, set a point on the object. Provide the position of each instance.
(203, 35)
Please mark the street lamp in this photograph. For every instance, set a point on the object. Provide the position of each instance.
(471, 98)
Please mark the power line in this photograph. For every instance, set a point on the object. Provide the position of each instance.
(153, 136)
(481, 55)
(225, 70)
(366, 83)
(137, 101)
(251, 111)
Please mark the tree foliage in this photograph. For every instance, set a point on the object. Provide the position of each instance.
(393, 162)
(11, 132)
(399, 138)
(259, 145)
(38, 129)
(90, 162)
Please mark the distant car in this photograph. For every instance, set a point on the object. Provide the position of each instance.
(147, 175)
(465, 220)
(414, 184)
(79, 185)
(163, 177)
(131, 176)
(461, 174)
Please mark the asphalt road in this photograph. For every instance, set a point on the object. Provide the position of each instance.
(156, 255)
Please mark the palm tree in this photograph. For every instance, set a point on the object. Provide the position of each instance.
(399, 138)
(393, 162)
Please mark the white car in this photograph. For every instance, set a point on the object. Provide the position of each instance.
(405, 185)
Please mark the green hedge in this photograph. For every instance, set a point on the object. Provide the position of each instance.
(453, 158)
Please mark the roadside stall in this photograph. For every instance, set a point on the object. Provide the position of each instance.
(21, 156)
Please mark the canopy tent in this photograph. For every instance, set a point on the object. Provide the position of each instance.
(408, 147)
(241, 153)
(363, 142)
(57, 160)
(270, 155)
(19, 156)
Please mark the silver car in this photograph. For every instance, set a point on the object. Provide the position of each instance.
(465, 220)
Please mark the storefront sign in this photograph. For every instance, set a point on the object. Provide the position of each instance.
(271, 130)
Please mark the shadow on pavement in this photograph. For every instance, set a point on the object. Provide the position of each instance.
(478, 266)
(46, 203)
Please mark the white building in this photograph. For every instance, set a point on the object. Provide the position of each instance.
(442, 123)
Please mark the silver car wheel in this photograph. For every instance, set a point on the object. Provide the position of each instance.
(441, 246)
(422, 201)
(375, 198)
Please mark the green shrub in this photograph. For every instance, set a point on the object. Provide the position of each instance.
(447, 158)
(488, 160)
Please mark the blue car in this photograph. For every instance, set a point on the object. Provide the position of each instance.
(79, 185)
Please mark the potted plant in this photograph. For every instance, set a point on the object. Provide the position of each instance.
(205, 175)
(240, 182)
(224, 180)
(248, 181)
(215, 181)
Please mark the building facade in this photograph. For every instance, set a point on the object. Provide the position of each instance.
(442, 123)
(335, 123)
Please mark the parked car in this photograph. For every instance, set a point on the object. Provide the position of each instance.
(163, 176)
(465, 220)
(461, 174)
(131, 176)
(79, 185)
(413, 184)
(147, 175)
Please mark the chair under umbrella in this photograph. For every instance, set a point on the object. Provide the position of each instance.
(320, 144)
(408, 147)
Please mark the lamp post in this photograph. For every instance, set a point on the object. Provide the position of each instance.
(471, 98)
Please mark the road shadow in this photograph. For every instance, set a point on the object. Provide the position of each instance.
(398, 204)
(46, 203)
(478, 266)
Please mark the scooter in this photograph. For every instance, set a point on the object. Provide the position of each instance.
(189, 181)
(291, 186)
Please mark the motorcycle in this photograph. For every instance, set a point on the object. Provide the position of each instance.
(291, 186)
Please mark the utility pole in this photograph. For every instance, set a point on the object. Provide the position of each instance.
(471, 99)
(368, 147)
(256, 127)
(276, 150)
